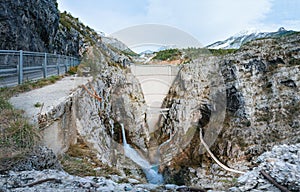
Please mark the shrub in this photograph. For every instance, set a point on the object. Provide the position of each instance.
(16, 134)
(73, 70)
(168, 54)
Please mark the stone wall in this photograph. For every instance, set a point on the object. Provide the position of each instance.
(60, 131)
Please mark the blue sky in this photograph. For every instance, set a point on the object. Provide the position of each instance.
(206, 20)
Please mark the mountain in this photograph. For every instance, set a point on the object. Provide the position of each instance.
(239, 39)
(153, 49)
(146, 52)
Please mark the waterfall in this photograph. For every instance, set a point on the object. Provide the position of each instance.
(124, 136)
(111, 122)
(150, 170)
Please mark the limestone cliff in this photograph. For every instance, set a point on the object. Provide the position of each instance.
(262, 82)
(261, 87)
(38, 26)
(245, 102)
(122, 102)
(30, 25)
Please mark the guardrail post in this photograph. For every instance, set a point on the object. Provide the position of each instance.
(20, 68)
(58, 64)
(45, 66)
(37, 63)
(66, 64)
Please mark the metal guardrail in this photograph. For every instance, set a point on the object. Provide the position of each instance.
(16, 67)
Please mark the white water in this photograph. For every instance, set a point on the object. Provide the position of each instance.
(152, 175)
(111, 122)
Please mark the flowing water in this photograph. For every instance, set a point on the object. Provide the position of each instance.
(151, 171)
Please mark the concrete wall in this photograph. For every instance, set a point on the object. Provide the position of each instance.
(61, 132)
(155, 81)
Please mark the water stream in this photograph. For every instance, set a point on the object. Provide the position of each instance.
(151, 171)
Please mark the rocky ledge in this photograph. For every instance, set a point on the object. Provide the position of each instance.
(56, 180)
(282, 164)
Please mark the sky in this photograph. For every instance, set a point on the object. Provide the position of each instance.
(206, 20)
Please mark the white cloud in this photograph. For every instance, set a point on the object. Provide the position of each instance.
(206, 20)
(209, 20)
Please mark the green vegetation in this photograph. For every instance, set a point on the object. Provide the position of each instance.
(38, 104)
(7, 92)
(169, 54)
(73, 70)
(4, 104)
(17, 135)
(195, 53)
(230, 181)
(294, 61)
(218, 52)
(68, 21)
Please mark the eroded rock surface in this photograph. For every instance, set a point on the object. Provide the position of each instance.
(282, 163)
(261, 83)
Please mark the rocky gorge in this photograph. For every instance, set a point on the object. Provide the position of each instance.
(243, 103)
(262, 106)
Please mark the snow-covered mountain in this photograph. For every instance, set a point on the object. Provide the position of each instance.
(239, 39)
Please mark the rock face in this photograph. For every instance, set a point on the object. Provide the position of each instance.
(262, 97)
(122, 102)
(30, 25)
(38, 26)
(263, 100)
(281, 163)
(190, 106)
(39, 158)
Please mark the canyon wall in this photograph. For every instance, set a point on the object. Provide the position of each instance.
(122, 102)
(261, 89)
